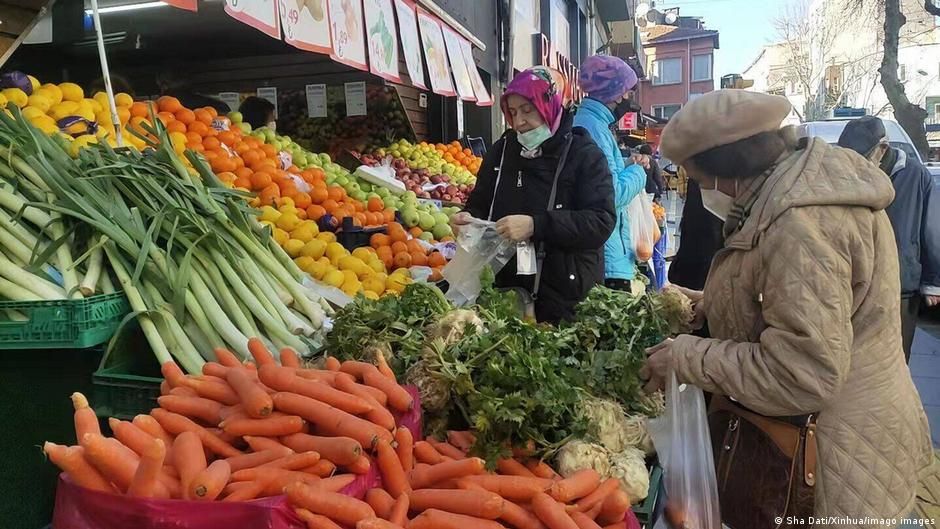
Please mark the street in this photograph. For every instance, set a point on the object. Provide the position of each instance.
(925, 369)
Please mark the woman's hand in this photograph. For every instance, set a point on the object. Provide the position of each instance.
(658, 362)
(516, 227)
(460, 219)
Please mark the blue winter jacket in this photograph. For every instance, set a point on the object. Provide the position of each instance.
(629, 181)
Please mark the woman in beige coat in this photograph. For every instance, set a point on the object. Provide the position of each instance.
(802, 305)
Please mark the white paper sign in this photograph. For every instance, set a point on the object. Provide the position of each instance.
(432, 42)
(460, 119)
(457, 66)
(355, 99)
(232, 99)
(349, 37)
(479, 88)
(410, 43)
(382, 39)
(316, 100)
(306, 24)
(259, 14)
(270, 94)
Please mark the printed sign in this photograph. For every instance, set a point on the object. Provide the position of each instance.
(432, 41)
(259, 14)
(270, 94)
(306, 24)
(355, 99)
(383, 39)
(349, 37)
(479, 88)
(232, 99)
(628, 121)
(410, 44)
(316, 100)
(457, 65)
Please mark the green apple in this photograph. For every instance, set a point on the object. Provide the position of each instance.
(441, 230)
(441, 218)
(410, 198)
(359, 195)
(410, 217)
(325, 159)
(244, 127)
(382, 192)
(236, 117)
(426, 221)
(426, 236)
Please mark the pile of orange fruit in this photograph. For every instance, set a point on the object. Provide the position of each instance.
(401, 249)
(456, 154)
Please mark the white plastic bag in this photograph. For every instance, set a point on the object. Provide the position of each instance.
(642, 227)
(478, 245)
(683, 443)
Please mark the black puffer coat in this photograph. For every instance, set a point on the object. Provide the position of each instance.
(574, 231)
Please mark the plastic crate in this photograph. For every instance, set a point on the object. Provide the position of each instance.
(647, 512)
(128, 379)
(66, 324)
(352, 237)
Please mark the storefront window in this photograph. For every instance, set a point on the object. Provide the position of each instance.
(561, 34)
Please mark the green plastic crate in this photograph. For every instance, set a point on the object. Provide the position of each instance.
(66, 324)
(128, 379)
(646, 511)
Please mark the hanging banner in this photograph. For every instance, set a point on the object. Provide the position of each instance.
(383, 39)
(457, 65)
(479, 87)
(432, 41)
(410, 45)
(188, 5)
(306, 24)
(349, 37)
(259, 14)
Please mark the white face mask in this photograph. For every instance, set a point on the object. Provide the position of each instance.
(718, 203)
(273, 126)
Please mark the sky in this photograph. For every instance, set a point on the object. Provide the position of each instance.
(744, 26)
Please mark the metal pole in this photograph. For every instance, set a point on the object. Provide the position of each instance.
(107, 74)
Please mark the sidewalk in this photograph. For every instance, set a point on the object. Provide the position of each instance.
(925, 370)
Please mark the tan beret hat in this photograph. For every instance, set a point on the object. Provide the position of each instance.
(719, 118)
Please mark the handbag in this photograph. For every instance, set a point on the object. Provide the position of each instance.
(525, 299)
(765, 466)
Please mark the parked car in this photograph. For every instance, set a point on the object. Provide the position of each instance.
(831, 129)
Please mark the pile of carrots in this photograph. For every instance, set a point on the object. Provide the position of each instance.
(249, 430)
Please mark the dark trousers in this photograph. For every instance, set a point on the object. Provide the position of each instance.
(910, 308)
(618, 284)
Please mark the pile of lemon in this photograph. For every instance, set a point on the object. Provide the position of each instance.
(327, 261)
(49, 103)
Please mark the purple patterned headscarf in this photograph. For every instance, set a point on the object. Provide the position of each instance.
(539, 86)
(605, 77)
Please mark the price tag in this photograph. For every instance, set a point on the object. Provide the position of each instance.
(316, 100)
(269, 93)
(356, 99)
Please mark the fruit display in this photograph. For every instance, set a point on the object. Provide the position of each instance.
(428, 173)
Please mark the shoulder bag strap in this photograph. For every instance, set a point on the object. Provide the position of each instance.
(540, 253)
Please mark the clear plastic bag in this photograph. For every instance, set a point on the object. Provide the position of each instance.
(478, 245)
(642, 226)
(683, 443)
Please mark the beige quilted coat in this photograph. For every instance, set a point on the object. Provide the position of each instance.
(804, 306)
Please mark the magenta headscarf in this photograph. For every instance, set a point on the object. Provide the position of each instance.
(606, 78)
(539, 85)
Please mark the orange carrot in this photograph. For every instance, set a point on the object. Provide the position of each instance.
(269, 427)
(165, 387)
(182, 391)
(480, 503)
(250, 491)
(393, 475)
(422, 477)
(614, 507)
(405, 448)
(338, 507)
(146, 482)
(461, 439)
(398, 397)
(316, 521)
(113, 460)
(192, 407)
(212, 390)
(331, 420)
(335, 483)
(578, 485)
(399, 513)
(357, 369)
(584, 521)
(214, 369)
(381, 502)
(594, 511)
(379, 414)
(383, 367)
(294, 461)
(253, 397)
(85, 419)
(513, 488)
(360, 390)
(208, 484)
(220, 433)
(289, 358)
(151, 426)
(189, 458)
(232, 412)
(340, 450)
(447, 449)
(552, 513)
(260, 352)
(377, 523)
(71, 460)
(332, 364)
(324, 468)
(258, 443)
(598, 496)
(437, 519)
(510, 467)
(286, 379)
(177, 424)
(320, 375)
(255, 459)
(426, 453)
(541, 469)
(361, 465)
(226, 358)
(268, 473)
(131, 436)
(520, 518)
(173, 374)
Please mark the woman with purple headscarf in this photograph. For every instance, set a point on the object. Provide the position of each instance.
(568, 226)
(607, 81)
